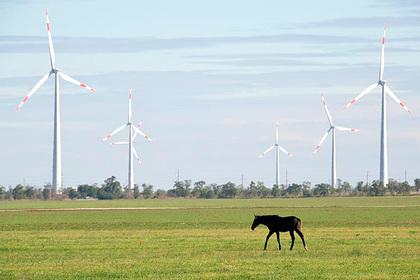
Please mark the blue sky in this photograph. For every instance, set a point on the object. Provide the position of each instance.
(210, 78)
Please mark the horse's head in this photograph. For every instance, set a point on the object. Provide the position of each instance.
(256, 222)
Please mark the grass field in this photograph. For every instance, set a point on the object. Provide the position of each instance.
(348, 238)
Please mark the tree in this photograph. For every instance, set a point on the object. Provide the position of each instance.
(216, 189)
(275, 191)
(294, 190)
(159, 193)
(228, 190)
(86, 191)
(171, 193)
(321, 190)
(46, 192)
(18, 192)
(360, 188)
(346, 187)
(147, 191)
(111, 189)
(198, 190)
(262, 190)
(393, 186)
(73, 194)
(417, 185)
(2, 192)
(29, 192)
(182, 188)
(376, 188)
(306, 189)
(136, 191)
(208, 192)
(252, 190)
(404, 188)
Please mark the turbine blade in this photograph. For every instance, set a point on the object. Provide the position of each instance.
(115, 131)
(137, 130)
(396, 99)
(136, 155)
(76, 82)
(346, 129)
(129, 104)
(322, 140)
(366, 91)
(118, 143)
(50, 44)
(284, 151)
(381, 68)
(326, 109)
(266, 151)
(34, 89)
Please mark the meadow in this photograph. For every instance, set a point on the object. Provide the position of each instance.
(348, 238)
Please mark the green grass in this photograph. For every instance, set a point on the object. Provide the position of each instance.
(348, 238)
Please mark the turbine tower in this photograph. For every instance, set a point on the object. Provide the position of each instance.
(385, 90)
(332, 130)
(278, 148)
(133, 130)
(57, 183)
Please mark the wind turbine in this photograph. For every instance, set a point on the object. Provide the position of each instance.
(385, 90)
(134, 129)
(332, 130)
(278, 148)
(57, 183)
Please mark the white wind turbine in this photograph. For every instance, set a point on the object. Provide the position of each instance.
(332, 130)
(385, 90)
(278, 149)
(57, 183)
(134, 129)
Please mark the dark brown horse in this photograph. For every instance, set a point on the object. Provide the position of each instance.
(277, 224)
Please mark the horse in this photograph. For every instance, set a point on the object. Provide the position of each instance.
(277, 224)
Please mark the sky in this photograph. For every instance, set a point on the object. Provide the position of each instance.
(210, 80)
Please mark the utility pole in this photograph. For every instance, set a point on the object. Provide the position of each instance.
(242, 181)
(287, 180)
(405, 175)
(367, 178)
(177, 176)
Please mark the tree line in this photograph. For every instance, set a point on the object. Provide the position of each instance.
(112, 189)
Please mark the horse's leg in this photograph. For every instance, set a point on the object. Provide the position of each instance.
(292, 235)
(266, 240)
(278, 239)
(301, 237)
